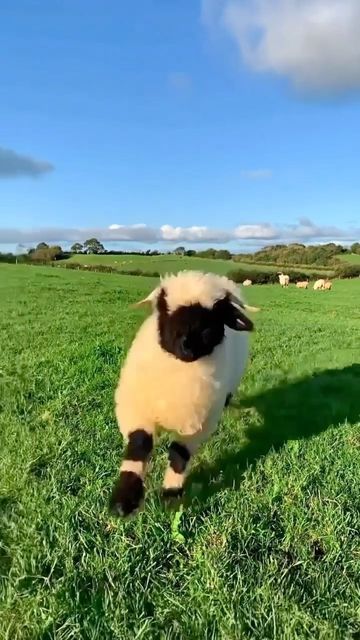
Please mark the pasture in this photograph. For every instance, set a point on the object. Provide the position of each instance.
(267, 544)
(351, 258)
(172, 263)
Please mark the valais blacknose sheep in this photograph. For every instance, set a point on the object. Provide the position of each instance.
(182, 368)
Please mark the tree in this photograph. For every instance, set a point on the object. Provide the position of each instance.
(355, 248)
(180, 251)
(223, 254)
(47, 254)
(92, 245)
(77, 248)
(56, 252)
(41, 245)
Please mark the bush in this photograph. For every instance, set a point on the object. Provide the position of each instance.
(348, 271)
(44, 254)
(256, 277)
(297, 254)
(270, 277)
(105, 268)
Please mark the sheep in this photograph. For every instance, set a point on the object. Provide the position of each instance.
(328, 285)
(319, 285)
(303, 284)
(247, 283)
(182, 369)
(284, 280)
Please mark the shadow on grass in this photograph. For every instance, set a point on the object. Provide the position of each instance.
(289, 412)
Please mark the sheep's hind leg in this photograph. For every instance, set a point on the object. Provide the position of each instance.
(128, 491)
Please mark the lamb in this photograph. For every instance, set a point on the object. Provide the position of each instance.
(319, 285)
(328, 285)
(303, 284)
(284, 280)
(182, 368)
(247, 283)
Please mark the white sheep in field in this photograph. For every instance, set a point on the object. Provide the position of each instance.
(284, 279)
(319, 285)
(182, 368)
(303, 284)
(247, 283)
(328, 285)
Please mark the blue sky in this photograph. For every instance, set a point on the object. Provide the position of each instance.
(229, 121)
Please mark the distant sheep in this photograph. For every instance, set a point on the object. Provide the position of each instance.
(303, 285)
(328, 285)
(319, 285)
(284, 280)
(247, 283)
(182, 368)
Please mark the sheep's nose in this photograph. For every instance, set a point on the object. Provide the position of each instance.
(184, 342)
(185, 345)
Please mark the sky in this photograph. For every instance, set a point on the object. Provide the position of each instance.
(167, 122)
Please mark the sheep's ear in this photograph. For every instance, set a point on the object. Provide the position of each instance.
(149, 300)
(232, 314)
(251, 309)
(241, 305)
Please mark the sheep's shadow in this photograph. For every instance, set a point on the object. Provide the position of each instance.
(291, 411)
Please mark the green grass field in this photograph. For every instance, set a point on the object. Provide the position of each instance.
(267, 546)
(173, 264)
(161, 264)
(352, 258)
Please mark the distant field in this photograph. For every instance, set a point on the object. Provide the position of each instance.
(272, 511)
(173, 264)
(352, 258)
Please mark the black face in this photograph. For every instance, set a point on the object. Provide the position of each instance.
(192, 332)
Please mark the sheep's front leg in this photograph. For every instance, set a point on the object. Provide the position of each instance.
(128, 491)
(175, 474)
(180, 453)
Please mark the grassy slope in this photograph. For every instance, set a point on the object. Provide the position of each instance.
(352, 258)
(271, 544)
(163, 264)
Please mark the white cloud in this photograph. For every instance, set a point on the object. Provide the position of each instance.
(193, 234)
(256, 232)
(179, 80)
(303, 231)
(315, 43)
(13, 165)
(257, 174)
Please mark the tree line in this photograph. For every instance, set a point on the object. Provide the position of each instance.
(294, 254)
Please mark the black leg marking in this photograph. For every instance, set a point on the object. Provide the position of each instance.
(228, 399)
(172, 493)
(179, 456)
(127, 494)
(139, 446)
(128, 491)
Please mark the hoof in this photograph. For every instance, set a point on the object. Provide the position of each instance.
(127, 494)
(172, 493)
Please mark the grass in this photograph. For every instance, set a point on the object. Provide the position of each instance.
(267, 543)
(351, 258)
(172, 263)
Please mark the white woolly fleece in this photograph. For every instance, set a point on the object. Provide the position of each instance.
(158, 390)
